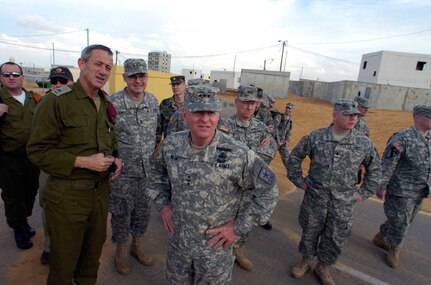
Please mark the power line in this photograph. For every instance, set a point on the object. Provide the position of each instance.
(35, 47)
(368, 40)
(322, 55)
(46, 35)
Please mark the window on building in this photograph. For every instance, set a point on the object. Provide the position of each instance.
(191, 72)
(421, 65)
(365, 65)
(374, 74)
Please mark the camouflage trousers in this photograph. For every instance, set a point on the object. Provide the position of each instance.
(326, 224)
(400, 212)
(194, 262)
(284, 154)
(130, 208)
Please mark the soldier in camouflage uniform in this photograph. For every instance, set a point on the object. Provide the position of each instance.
(73, 141)
(130, 206)
(406, 179)
(283, 126)
(170, 105)
(177, 122)
(244, 127)
(263, 108)
(197, 183)
(330, 193)
(362, 125)
(18, 176)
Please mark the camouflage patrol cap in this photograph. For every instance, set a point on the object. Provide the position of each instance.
(346, 107)
(290, 105)
(422, 109)
(134, 66)
(259, 92)
(198, 81)
(247, 93)
(202, 98)
(271, 99)
(362, 101)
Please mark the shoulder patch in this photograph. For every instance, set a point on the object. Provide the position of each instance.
(61, 90)
(36, 97)
(224, 128)
(263, 173)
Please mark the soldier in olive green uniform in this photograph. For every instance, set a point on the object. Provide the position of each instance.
(18, 176)
(73, 141)
(170, 105)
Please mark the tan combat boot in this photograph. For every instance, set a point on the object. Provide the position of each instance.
(322, 271)
(302, 267)
(393, 257)
(381, 241)
(240, 258)
(121, 262)
(138, 251)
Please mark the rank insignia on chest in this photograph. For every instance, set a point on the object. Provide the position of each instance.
(174, 157)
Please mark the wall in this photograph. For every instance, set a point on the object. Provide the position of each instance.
(272, 82)
(385, 97)
(158, 82)
(230, 77)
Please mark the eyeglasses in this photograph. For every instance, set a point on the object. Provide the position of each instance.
(56, 80)
(8, 74)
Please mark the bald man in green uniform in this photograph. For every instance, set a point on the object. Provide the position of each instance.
(73, 141)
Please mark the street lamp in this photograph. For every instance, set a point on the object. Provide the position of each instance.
(282, 52)
(264, 63)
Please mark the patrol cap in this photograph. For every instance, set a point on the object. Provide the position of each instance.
(362, 101)
(198, 81)
(271, 99)
(202, 98)
(259, 92)
(134, 66)
(247, 93)
(346, 107)
(177, 79)
(290, 105)
(422, 109)
(60, 72)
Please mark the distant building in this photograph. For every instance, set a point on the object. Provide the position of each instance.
(228, 79)
(192, 74)
(159, 61)
(396, 68)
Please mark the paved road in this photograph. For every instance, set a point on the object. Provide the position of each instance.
(273, 253)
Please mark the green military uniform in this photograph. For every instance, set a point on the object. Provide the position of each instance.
(66, 125)
(167, 109)
(18, 176)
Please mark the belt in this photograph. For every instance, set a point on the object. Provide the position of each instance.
(80, 183)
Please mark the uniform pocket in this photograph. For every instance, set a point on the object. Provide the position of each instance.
(75, 131)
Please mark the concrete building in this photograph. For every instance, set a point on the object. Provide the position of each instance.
(273, 83)
(396, 68)
(192, 74)
(227, 79)
(159, 61)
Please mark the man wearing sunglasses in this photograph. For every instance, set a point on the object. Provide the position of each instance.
(58, 76)
(19, 178)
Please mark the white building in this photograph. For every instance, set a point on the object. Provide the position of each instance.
(160, 61)
(192, 74)
(231, 78)
(396, 68)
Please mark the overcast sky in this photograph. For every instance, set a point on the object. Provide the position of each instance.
(325, 39)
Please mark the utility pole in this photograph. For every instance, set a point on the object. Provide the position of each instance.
(282, 52)
(53, 54)
(116, 57)
(234, 63)
(264, 62)
(88, 36)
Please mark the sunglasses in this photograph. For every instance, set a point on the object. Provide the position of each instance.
(8, 74)
(55, 80)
